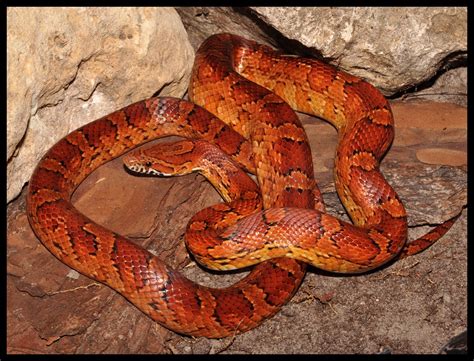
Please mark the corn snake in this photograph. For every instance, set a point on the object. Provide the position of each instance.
(268, 140)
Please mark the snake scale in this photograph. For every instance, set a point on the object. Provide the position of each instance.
(280, 224)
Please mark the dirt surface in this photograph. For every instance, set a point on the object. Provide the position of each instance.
(411, 306)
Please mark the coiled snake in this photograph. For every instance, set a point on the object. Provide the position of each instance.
(263, 135)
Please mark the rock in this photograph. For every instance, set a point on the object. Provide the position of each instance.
(427, 161)
(442, 156)
(393, 48)
(456, 345)
(202, 22)
(430, 115)
(68, 66)
(431, 194)
(450, 87)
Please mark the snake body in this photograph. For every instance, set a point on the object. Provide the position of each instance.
(262, 134)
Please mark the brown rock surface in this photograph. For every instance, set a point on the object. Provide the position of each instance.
(412, 306)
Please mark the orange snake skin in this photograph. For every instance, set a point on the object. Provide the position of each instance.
(262, 134)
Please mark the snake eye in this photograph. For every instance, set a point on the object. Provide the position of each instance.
(148, 164)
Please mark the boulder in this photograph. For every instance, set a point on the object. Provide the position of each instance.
(69, 66)
(392, 48)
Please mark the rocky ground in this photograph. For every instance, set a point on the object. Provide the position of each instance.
(412, 306)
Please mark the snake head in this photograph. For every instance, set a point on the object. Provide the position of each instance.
(166, 159)
(138, 162)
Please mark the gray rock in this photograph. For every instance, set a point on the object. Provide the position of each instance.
(450, 87)
(202, 22)
(393, 48)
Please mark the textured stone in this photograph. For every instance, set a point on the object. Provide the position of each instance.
(393, 48)
(68, 66)
(450, 87)
(202, 22)
(431, 193)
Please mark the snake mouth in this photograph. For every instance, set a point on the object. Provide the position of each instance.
(138, 168)
(141, 170)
